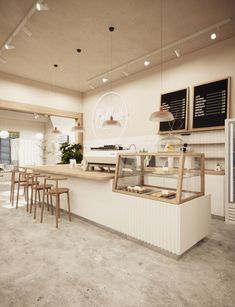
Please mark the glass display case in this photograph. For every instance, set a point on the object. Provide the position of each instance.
(169, 177)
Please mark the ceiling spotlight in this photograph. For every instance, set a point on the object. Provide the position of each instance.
(91, 86)
(9, 47)
(125, 73)
(146, 63)
(213, 35)
(36, 116)
(42, 7)
(177, 53)
(104, 80)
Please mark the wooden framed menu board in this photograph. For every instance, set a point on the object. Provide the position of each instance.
(210, 107)
(177, 103)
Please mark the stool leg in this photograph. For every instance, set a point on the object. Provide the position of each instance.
(13, 193)
(43, 201)
(47, 200)
(51, 204)
(24, 193)
(69, 206)
(39, 199)
(57, 209)
(31, 200)
(27, 198)
(18, 192)
(35, 203)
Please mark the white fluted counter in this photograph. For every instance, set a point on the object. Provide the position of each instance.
(169, 228)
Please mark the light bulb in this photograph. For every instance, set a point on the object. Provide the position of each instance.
(146, 63)
(213, 36)
(104, 80)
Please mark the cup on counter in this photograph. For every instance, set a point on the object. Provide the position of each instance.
(72, 163)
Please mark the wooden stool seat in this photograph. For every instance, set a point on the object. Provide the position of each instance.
(56, 191)
(38, 187)
(59, 191)
(42, 186)
(18, 177)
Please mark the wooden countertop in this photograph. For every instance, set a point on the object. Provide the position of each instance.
(64, 170)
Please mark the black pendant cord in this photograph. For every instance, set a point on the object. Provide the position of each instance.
(111, 29)
(161, 21)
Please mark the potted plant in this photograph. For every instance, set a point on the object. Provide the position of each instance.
(70, 151)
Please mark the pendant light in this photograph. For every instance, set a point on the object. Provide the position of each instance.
(161, 115)
(55, 129)
(78, 127)
(4, 134)
(111, 121)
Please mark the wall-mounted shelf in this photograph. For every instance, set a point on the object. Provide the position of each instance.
(214, 158)
(205, 144)
(213, 172)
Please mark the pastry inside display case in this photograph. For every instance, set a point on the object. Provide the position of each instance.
(170, 177)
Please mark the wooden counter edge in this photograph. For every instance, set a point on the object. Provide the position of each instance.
(98, 176)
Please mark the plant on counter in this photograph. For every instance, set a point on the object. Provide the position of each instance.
(70, 151)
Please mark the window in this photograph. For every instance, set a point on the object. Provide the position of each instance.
(5, 147)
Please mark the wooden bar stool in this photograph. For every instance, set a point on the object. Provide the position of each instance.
(27, 185)
(38, 187)
(57, 192)
(17, 177)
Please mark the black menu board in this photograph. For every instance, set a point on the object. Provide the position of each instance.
(210, 107)
(176, 103)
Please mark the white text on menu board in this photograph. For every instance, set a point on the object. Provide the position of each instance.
(213, 103)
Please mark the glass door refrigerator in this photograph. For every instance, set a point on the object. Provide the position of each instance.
(230, 171)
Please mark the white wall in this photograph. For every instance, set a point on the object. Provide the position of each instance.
(27, 91)
(142, 91)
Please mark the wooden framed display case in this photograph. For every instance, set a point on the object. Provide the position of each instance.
(168, 177)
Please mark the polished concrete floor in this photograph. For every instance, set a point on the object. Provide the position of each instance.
(80, 264)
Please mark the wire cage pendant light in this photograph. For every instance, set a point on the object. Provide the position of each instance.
(162, 115)
(111, 121)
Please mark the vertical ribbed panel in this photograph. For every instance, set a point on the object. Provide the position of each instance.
(151, 221)
(231, 214)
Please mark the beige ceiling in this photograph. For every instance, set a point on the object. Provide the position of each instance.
(72, 24)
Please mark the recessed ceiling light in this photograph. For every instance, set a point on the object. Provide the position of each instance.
(125, 73)
(104, 80)
(8, 46)
(213, 35)
(91, 86)
(146, 63)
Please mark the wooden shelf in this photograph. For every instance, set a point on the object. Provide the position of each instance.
(213, 172)
(201, 144)
(214, 158)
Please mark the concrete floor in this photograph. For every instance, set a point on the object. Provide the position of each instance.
(80, 264)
